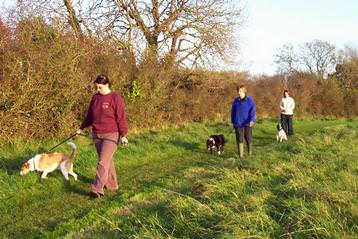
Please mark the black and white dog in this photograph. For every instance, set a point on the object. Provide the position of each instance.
(216, 141)
(280, 133)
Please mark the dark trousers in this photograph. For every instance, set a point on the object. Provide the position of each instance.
(243, 133)
(106, 146)
(286, 122)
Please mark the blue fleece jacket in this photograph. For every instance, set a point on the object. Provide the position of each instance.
(243, 111)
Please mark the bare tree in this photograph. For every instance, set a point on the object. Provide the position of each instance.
(73, 19)
(187, 32)
(316, 57)
(68, 14)
(181, 31)
(349, 52)
(347, 69)
(286, 59)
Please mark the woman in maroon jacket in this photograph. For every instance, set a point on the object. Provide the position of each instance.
(106, 114)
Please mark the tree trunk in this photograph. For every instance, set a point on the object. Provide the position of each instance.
(74, 22)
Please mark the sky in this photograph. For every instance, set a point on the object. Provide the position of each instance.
(270, 24)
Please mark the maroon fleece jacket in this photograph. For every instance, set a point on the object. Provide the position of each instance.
(106, 114)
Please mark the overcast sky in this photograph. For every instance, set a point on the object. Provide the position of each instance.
(272, 23)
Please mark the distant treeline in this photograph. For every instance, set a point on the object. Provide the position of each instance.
(46, 80)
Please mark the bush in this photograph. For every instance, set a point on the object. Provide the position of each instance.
(47, 77)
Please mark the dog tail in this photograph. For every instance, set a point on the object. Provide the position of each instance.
(74, 149)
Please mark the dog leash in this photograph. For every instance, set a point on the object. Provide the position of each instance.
(84, 135)
(93, 137)
(62, 142)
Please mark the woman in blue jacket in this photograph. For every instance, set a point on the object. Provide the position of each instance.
(243, 116)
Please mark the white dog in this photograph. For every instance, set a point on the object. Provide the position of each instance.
(280, 134)
(48, 162)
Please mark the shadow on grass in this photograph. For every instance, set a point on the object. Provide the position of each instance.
(261, 141)
(75, 188)
(13, 165)
(187, 145)
(263, 137)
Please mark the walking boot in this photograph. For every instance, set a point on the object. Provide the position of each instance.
(250, 149)
(241, 150)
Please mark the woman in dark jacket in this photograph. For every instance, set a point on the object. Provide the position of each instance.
(243, 116)
(106, 114)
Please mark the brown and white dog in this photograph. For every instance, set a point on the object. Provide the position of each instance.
(49, 162)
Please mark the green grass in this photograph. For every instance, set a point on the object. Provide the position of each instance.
(170, 187)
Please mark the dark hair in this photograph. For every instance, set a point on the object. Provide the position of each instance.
(241, 87)
(102, 79)
(285, 92)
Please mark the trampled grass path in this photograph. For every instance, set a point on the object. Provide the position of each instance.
(172, 188)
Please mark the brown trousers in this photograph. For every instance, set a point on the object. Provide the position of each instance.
(243, 133)
(106, 145)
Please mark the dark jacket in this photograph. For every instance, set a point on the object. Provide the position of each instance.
(243, 111)
(106, 114)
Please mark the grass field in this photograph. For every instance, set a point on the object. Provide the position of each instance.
(170, 187)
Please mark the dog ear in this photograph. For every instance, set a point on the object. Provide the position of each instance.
(26, 165)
